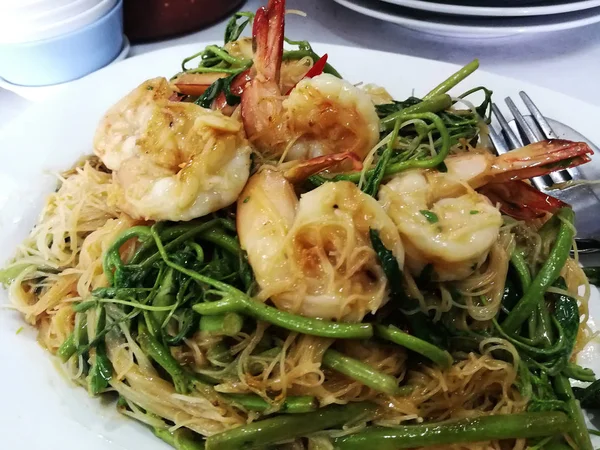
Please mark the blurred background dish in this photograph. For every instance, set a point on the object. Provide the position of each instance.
(62, 13)
(492, 9)
(28, 8)
(91, 40)
(29, 25)
(472, 27)
(31, 6)
(153, 19)
(500, 3)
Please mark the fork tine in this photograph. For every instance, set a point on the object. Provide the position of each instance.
(539, 118)
(532, 136)
(559, 176)
(497, 141)
(514, 142)
(512, 139)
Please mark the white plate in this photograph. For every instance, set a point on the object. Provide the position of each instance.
(40, 409)
(500, 11)
(470, 27)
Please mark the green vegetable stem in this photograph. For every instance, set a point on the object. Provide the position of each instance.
(546, 276)
(67, 348)
(240, 303)
(162, 356)
(391, 333)
(291, 404)
(510, 426)
(101, 370)
(180, 439)
(264, 433)
(367, 375)
(229, 324)
(236, 301)
(431, 105)
(453, 80)
(578, 430)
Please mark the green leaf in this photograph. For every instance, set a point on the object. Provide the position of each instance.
(390, 108)
(231, 98)
(420, 324)
(390, 266)
(566, 312)
(221, 85)
(426, 276)
(593, 274)
(235, 27)
(188, 320)
(372, 185)
(484, 109)
(206, 99)
(589, 397)
(512, 294)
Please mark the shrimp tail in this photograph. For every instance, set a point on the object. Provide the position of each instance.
(538, 159)
(302, 170)
(260, 104)
(520, 200)
(267, 35)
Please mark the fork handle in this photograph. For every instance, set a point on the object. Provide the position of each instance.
(588, 245)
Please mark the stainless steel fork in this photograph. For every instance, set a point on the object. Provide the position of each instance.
(527, 129)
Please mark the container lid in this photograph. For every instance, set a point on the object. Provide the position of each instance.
(44, 19)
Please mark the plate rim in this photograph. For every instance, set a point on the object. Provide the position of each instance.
(76, 429)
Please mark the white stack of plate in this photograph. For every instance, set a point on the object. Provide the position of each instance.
(481, 18)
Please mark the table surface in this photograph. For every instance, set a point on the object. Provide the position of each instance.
(566, 61)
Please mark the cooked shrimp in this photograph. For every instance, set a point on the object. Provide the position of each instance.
(454, 234)
(444, 222)
(321, 116)
(313, 256)
(171, 160)
(379, 95)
